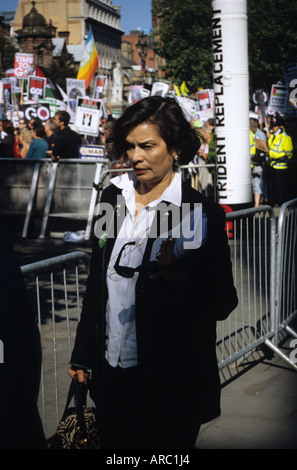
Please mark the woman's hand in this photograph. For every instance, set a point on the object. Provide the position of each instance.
(82, 375)
(165, 254)
(172, 273)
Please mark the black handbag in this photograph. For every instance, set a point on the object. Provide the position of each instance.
(77, 428)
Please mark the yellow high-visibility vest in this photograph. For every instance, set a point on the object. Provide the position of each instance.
(211, 157)
(280, 150)
(252, 145)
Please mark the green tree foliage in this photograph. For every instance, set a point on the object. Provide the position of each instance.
(61, 68)
(183, 38)
(272, 40)
(8, 51)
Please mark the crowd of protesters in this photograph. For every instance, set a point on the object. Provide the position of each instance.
(273, 151)
(55, 138)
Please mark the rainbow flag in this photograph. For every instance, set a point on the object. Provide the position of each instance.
(89, 62)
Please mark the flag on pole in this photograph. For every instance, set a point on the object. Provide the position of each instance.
(52, 89)
(184, 89)
(89, 62)
(177, 90)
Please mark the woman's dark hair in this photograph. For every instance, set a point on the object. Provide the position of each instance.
(8, 126)
(170, 119)
(38, 128)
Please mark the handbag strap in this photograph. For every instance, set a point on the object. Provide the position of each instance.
(77, 391)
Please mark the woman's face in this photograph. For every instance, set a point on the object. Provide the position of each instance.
(148, 154)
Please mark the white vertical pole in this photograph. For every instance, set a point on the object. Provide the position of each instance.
(231, 89)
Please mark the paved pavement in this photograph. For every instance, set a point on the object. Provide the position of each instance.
(259, 396)
(259, 406)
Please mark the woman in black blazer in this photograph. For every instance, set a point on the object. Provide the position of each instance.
(160, 278)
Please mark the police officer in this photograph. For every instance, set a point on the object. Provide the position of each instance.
(280, 152)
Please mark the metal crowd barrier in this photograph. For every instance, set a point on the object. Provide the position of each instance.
(49, 194)
(251, 234)
(38, 191)
(56, 287)
(263, 253)
(285, 277)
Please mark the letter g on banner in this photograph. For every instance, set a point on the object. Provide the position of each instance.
(42, 112)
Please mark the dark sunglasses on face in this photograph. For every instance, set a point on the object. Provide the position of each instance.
(125, 271)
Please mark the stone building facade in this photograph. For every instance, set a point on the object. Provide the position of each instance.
(35, 37)
(69, 21)
(72, 20)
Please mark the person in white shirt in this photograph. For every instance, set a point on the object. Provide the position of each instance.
(160, 278)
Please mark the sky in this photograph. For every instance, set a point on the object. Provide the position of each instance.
(134, 13)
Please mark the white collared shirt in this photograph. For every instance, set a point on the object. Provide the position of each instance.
(121, 345)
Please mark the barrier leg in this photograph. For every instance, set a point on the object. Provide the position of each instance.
(93, 200)
(49, 199)
(280, 354)
(31, 199)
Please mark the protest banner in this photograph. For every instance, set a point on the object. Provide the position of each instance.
(188, 106)
(87, 116)
(290, 72)
(135, 93)
(54, 105)
(75, 88)
(36, 88)
(23, 65)
(32, 110)
(160, 87)
(204, 100)
(278, 99)
(7, 93)
(100, 86)
(89, 152)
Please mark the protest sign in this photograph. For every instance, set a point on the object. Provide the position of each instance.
(75, 88)
(23, 65)
(36, 88)
(188, 106)
(54, 105)
(160, 88)
(87, 116)
(278, 99)
(88, 152)
(204, 99)
(7, 93)
(100, 86)
(135, 93)
(32, 110)
(290, 73)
